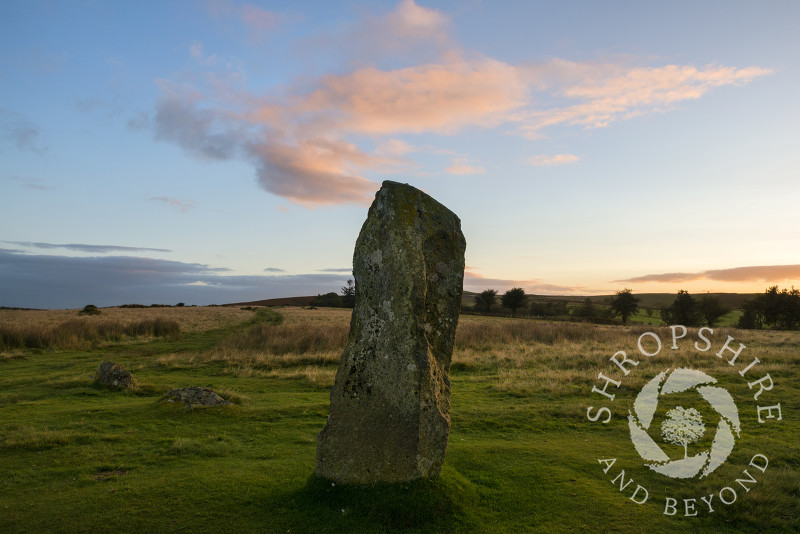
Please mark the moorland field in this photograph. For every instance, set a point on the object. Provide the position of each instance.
(522, 457)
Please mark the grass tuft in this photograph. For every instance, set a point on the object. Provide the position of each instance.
(32, 438)
(81, 333)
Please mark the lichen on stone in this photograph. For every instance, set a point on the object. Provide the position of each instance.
(390, 407)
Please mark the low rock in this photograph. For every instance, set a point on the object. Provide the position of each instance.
(196, 396)
(111, 374)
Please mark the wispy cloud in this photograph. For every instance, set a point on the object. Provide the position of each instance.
(321, 140)
(139, 121)
(273, 270)
(32, 183)
(763, 273)
(606, 93)
(259, 20)
(179, 205)
(474, 281)
(557, 159)
(462, 166)
(394, 148)
(336, 270)
(409, 32)
(256, 20)
(196, 51)
(20, 131)
(81, 247)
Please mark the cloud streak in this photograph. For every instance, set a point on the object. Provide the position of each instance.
(558, 159)
(82, 247)
(763, 273)
(474, 281)
(32, 183)
(319, 141)
(179, 205)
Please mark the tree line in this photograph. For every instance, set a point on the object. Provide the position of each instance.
(774, 309)
(623, 305)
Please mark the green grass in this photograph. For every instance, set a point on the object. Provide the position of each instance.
(522, 456)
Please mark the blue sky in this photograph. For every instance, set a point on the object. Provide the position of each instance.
(219, 151)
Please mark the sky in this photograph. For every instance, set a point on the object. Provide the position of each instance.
(223, 151)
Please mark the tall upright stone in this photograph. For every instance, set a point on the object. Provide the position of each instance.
(390, 405)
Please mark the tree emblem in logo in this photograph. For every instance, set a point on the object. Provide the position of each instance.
(683, 426)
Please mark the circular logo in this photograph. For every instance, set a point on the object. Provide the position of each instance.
(683, 426)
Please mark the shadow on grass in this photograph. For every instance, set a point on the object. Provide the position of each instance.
(443, 504)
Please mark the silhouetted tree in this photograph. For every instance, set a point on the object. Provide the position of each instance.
(550, 308)
(513, 299)
(625, 304)
(587, 309)
(711, 309)
(772, 309)
(485, 300)
(683, 310)
(349, 295)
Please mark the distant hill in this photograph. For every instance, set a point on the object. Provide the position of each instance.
(286, 301)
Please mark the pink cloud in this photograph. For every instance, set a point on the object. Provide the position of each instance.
(259, 20)
(474, 281)
(609, 93)
(256, 20)
(413, 21)
(394, 148)
(440, 98)
(558, 159)
(764, 273)
(308, 141)
(316, 171)
(461, 167)
(407, 31)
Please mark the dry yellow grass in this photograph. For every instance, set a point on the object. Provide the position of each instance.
(70, 330)
(525, 355)
(190, 318)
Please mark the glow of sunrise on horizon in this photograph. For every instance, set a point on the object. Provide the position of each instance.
(585, 149)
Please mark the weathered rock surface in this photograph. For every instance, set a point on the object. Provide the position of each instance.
(113, 375)
(196, 396)
(390, 405)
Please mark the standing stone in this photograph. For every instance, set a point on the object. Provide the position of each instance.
(390, 404)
